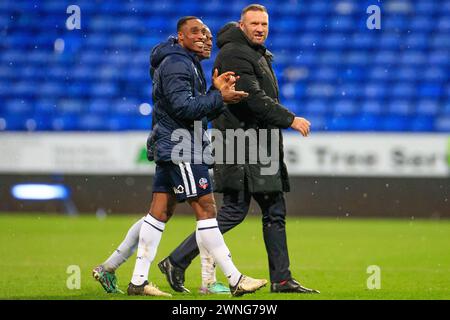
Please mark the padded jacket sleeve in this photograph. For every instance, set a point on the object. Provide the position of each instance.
(177, 82)
(262, 106)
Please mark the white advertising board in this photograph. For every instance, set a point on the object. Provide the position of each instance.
(321, 154)
(368, 155)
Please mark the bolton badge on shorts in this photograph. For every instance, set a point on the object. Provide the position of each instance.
(203, 183)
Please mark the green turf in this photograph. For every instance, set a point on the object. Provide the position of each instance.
(331, 255)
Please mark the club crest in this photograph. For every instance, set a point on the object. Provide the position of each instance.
(203, 183)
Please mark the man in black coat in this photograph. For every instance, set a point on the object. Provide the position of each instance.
(242, 50)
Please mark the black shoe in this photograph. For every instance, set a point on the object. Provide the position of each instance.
(174, 275)
(290, 286)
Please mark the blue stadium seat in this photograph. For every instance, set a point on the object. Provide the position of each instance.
(119, 123)
(357, 57)
(394, 123)
(350, 91)
(386, 57)
(427, 107)
(444, 24)
(45, 106)
(422, 24)
(417, 40)
(442, 124)
(307, 40)
(13, 123)
(354, 74)
(51, 89)
(141, 122)
(402, 107)
(342, 23)
(441, 41)
(393, 22)
(329, 65)
(70, 106)
(405, 73)
(403, 90)
(375, 90)
(422, 124)
(316, 107)
(446, 109)
(325, 73)
(435, 74)
(92, 122)
(17, 106)
(288, 24)
(372, 107)
(439, 57)
(334, 40)
(42, 123)
(413, 57)
(381, 73)
(367, 122)
(65, 123)
(99, 106)
(389, 40)
(330, 57)
(315, 22)
(425, 7)
(104, 89)
(125, 106)
(340, 123)
(345, 107)
(25, 89)
(432, 90)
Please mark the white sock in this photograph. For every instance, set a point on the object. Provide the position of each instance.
(208, 268)
(208, 235)
(149, 238)
(125, 249)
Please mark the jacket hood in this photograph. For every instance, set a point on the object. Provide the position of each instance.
(164, 49)
(232, 33)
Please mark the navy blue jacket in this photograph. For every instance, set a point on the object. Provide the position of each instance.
(179, 98)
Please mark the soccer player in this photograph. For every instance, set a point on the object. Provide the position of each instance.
(210, 285)
(242, 50)
(105, 273)
(180, 98)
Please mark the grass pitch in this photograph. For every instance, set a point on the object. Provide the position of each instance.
(331, 255)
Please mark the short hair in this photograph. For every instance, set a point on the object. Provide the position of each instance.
(253, 7)
(182, 21)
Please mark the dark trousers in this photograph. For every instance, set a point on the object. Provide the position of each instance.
(233, 211)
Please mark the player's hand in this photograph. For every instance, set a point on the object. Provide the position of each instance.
(230, 95)
(301, 125)
(225, 78)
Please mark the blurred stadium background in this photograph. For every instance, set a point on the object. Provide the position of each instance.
(75, 105)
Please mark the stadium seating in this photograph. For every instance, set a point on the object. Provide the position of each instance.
(330, 67)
